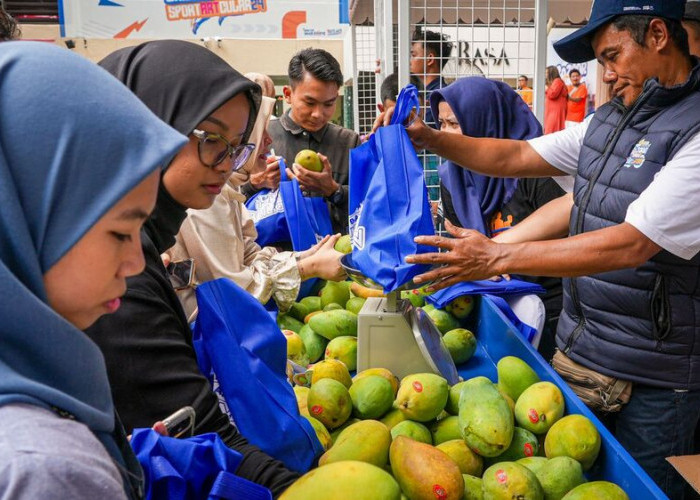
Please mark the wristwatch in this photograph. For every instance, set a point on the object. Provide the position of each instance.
(337, 195)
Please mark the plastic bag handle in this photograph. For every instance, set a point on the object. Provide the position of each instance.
(405, 103)
(283, 169)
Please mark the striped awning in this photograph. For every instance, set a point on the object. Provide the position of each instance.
(478, 11)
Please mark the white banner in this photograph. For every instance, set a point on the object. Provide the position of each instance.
(182, 19)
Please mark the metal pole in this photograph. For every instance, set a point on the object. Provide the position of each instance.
(404, 41)
(541, 18)
(355, 83)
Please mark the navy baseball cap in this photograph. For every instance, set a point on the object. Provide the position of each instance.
(576, 48)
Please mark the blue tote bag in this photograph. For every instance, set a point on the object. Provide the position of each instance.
(388, 203)
(194, 468)
(266, 208)
(243, 353)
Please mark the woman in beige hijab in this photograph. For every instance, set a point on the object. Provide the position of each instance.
(221, 240)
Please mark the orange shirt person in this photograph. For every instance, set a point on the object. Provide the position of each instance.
(578, 94)
(524, 90)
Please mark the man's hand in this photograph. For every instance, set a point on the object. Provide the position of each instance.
(420, 134)
(268, 178)
(316, 182)
(470, 256)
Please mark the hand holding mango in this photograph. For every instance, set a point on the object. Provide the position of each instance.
(309, 160)
(312, 177)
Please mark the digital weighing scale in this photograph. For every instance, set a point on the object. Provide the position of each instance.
(393, 334)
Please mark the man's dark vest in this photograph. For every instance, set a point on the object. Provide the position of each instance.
(640, 324)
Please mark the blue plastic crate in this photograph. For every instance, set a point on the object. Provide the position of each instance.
(497, 338)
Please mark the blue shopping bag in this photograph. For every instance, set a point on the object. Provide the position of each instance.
(243, 353)
(266, 209)
(388, 203)
(194, 468)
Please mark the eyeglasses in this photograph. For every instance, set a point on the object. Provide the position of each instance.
(213, 149)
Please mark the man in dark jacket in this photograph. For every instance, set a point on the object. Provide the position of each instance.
(632, 293)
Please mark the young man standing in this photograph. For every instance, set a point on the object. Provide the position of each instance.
(430, 51)
(524, 90)
(578, 94)
(312, 93)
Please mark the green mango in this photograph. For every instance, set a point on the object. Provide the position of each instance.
(443, 320)
(298, 311)
(452, 406)
(344, 245)
(334, 292)
(332, 307)
(285, 322)
(508, 480)
(314, 343)
(468, 461)
(574, 436)
(339, 480)
(355, 304)
(523, 445)
(422, 396)
(461, 307)
(533, 463)
(485, 418)
(312, 303)
(343, 349)
(597, 490)
(424, 472)
(415, 297)
(382, 372)
(365, 441)
(446, 429)
(331, 368)
(336, 432)
(329, 402)
(371, 396)
(472, 488)
(461, 344)
(301, 393)
(514, 376)
(559, 476)
(322, 433)
(332, 324)
(412, 430)
(539, 407)
(393, 418)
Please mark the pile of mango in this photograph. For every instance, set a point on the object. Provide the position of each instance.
(421, 439)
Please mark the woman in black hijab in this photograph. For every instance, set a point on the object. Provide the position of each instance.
(147, 343)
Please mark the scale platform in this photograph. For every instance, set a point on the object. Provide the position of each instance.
(393, 334)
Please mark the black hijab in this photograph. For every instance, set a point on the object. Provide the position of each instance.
(182, 83)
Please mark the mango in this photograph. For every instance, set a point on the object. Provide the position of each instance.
(336, 432)
(508, 480)
(315, 344)
(392, 418)
(285, 322)
(573, 436)
(295, 348)
(446, 429)
(422, 396)
(331, 368)
(424, 472)
(382, 372)
(312, 303)
(309, 160)
(355, 304)
(461, 344)
(371, 396)
(332, 307)
(559, 476)
(308, 317)
(539, 407)
(415, 297)
(298, 311)
(362, 291)
(485, 419)
(344, 244)
(533, 463)
(597, 490)
(329, 402)
(461, 307)
(443, 320)
(514, 376)
(334, 293)
(301, 394)
(412, 430)
(332, 324)
(523, 445)
(468, 461)
(322, 433)
(344, 480)
(472, 487)
(508, 399)
(343, 349)
(366, 441)
(452, 406)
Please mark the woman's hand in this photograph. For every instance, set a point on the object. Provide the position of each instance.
(470, 256)
(324, 262)
(308, 253)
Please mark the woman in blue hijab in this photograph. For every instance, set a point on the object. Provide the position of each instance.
(479, 107)
(79, 169)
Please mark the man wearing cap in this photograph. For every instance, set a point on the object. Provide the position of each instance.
(632, 289)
